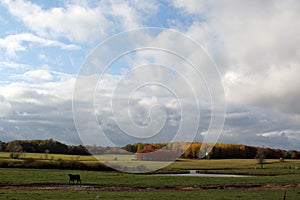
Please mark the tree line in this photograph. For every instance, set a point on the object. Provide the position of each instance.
(41, 146)
(219, 151)
(16, 147)
(161, 151)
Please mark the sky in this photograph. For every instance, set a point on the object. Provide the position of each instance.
(44, 45)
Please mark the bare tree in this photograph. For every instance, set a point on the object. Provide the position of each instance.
(260, 156)
(46, 153)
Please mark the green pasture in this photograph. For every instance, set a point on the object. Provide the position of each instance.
(287, 172)
(181, 164)
(292, 194)
(42, 156)
(56, 176)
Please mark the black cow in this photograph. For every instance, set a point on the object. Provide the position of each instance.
(74, 177)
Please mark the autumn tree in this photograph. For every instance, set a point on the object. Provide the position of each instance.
(15, 149)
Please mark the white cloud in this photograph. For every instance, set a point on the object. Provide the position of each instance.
(38, 91)
(127, 15)
(5, 107)
(173, 104)
(272, 134)
(14, 43)
(43, 57)
(38, 75)
(74, 22)
(80, 22)
(11, 64)
(148, 101)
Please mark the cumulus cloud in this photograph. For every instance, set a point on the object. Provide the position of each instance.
(254, 44)
(38, 110)
(75, 22)
(80, 22)
(38, 75)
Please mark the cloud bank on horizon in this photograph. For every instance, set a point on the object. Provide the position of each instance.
(253, 43)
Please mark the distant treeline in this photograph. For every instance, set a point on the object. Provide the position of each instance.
(220, 151)
(54, 147)
(42, 146)
(161, 151)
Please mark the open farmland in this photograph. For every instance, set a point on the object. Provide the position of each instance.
(267, 183)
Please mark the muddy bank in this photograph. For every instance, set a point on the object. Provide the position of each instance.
(53, 186)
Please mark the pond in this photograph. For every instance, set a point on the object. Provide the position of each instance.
(194, 173)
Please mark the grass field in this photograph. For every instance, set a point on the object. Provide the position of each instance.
(181, 164)
(5, 155)
(55, 176)
(281, 175)
(165, 195)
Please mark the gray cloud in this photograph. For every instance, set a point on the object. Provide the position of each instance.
(38, 110)
(254, 44)
(260, 127)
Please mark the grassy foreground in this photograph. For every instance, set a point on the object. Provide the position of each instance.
(165, 195)
(55, 176)
(274, 172)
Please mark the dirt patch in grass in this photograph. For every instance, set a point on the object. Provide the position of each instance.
(53, 186)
